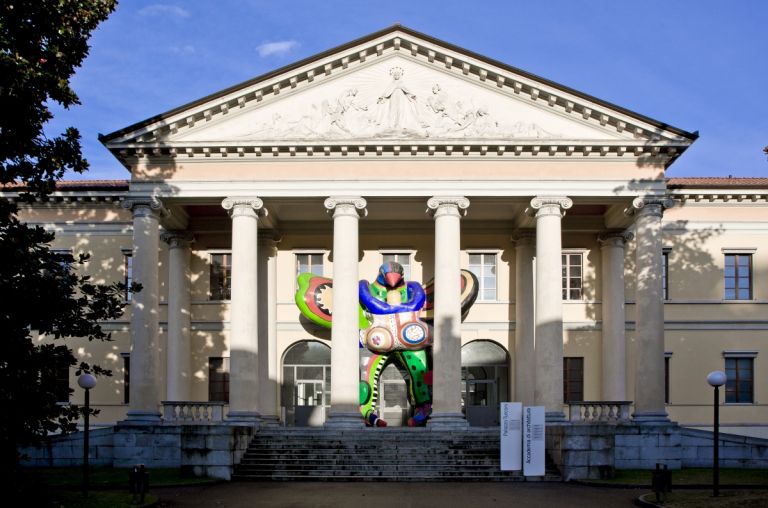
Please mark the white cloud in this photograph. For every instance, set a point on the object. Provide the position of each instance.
(164, 10)
(276, 48)
(187, 49)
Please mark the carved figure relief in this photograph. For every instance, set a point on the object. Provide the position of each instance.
(397, 112)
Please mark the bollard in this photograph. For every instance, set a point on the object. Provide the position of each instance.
(661, 482)
(138, 482)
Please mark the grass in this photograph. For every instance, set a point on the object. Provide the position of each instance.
(704, 499)
(728, 476)
(108, 487)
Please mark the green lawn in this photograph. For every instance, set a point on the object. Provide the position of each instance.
(728, 476)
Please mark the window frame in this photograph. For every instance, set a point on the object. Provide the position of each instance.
(126, 377)
(566, 275)
(227, 275)
(667, 367)
(736, 254)
(309, 252)
(481, 277)
(665, 273)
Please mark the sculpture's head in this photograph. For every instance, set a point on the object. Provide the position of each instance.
(391, 275)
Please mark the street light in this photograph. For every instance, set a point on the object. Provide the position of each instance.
(716, 379)
(86, 382)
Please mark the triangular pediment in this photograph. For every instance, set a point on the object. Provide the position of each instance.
(399, 87)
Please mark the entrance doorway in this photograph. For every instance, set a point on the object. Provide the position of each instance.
(394, 406)
(484, 381)
(306, 388)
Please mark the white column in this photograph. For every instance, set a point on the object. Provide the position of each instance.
(523, 368)
(649, 311)
(243, 338)
(268, 329)
(614, 356)
(179, 350)
(549, 304)
(446, 351)
(345, 331)
(145, 327)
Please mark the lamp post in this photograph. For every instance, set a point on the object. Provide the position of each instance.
(86, 382)
(716, 379)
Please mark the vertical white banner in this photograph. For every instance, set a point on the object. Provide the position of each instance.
(533, 441)
(511, 436)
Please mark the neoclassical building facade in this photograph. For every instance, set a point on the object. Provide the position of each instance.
(600, 279)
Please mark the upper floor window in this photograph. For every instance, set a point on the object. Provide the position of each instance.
(404, 258)
(483, 265)
(739, 371)
(128, 273)
(572, 275)
(309, 262)
(738, 276)
(665, 274)
(221, 276)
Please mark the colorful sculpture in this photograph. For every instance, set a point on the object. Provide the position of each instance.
(395, 318)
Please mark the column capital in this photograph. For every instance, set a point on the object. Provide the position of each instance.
(176, 239)
(615, 239)
(346, 205)
(251, 207)
(524, 237)
(549, 205)
(649, 205)
(447, 205)
(144, 206)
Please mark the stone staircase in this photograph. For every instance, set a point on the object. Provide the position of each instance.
(377, 454)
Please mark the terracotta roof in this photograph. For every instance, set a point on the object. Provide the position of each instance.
(75, 185)
(708, 182)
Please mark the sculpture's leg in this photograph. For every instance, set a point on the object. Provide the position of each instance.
(417, 364)
(369, 403)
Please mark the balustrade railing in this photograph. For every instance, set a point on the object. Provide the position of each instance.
(599, 411)
(191, 412)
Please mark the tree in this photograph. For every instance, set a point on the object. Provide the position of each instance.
(42, 42)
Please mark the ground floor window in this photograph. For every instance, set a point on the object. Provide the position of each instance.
(126, 378)
(739, 386)
(573, 379)
(306, 388)
(218, 379)
(484, 381)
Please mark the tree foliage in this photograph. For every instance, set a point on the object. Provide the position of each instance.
(43, 295)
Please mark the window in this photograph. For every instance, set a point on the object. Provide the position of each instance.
(483, 265)
(573, 379)
(64, 257)
(667, 356)
(739, 386)
(403, 258)
(58, 376)
(738, 276)
(218, 379)
(309, 262)
(221, 276)
(126, 378)
(665, 274)
(572, 272)
(128, 274)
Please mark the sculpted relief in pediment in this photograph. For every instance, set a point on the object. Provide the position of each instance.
(394, 100)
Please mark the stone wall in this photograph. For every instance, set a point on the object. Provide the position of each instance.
(735, 451)
(67, 450)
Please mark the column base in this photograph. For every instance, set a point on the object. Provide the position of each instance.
(447, 421)
(270, 421)
(339, 421)
(243, 417)
(554, 417)
(651, 417)
(140, 417)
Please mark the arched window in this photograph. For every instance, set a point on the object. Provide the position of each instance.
(306, 388)
(484, 381)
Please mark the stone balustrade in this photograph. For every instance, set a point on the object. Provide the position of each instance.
(599, 411)
(191, 412)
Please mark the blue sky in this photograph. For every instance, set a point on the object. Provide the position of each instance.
(698, 65)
